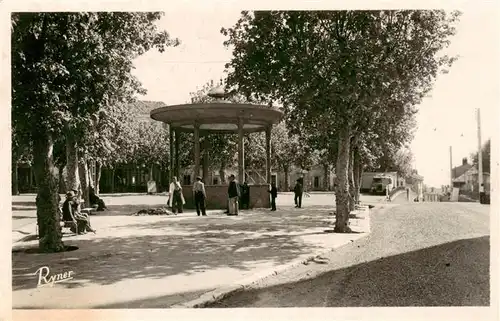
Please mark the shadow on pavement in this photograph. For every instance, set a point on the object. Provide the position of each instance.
(24, 203)
(20, 217)
(17, 208)
(22, 232)
(286, 218)
(154, 257)
(451, 274)
(180, 247)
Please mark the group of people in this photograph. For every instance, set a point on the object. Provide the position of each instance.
(176, 199)
(235, 193)
(298, 192)
(70, 210)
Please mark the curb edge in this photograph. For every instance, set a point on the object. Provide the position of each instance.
(224, 291)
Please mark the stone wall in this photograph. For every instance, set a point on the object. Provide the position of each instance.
(294, 174)
(217, 196)
(259, 196)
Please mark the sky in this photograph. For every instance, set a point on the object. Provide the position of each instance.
(446, 118)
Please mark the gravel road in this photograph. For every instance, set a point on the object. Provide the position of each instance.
(427, 254)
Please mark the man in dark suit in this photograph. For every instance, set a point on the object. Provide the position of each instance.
(233, 193)
(274, 193)
(298, 190)
(200, 196)
(245, 196)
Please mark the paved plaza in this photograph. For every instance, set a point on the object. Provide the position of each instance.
(165, 261)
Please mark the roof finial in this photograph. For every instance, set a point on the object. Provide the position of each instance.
(217, 92)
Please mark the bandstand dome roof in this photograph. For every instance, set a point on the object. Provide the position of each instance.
(218, 116)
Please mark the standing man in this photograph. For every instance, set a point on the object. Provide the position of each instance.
(176, 199)
(388, 189)
(233, 193)
(298, 190)
(274, 193)
(245, 196)
(199, 196)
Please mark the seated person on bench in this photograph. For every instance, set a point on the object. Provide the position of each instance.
(96, 201)
(72, 213)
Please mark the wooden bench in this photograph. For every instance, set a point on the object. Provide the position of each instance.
(88, 210)
(63, 224)
(69, 224)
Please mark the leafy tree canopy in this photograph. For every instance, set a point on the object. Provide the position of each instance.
(345, 69)
(82, 63)
(486, 155)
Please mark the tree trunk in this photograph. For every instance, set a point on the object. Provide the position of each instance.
(90, 171)
(112, 180)
(361, 170)
(206, 160)
(222, 173)
(287, 186)
(342, 186)
(357, 175)
(30, 180)
(62, 184)
(73, 180)
(177, 155)
(325, 177)
(48, 217)
(137, 175)
(352, 188)
(83, 170)
(150, 177)
(98, 172)
(15, 177)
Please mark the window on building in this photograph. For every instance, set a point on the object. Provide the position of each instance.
(316, 181)
(187, 180)
(273, 179)
(216, 181)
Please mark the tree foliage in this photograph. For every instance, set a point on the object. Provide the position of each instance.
(486, 157)
(147, 139)
(352, 74)
(400, 161)
(82, 62)
(67, 67)
(284, 146)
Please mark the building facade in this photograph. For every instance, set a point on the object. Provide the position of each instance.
(466, 177)
(130, 178)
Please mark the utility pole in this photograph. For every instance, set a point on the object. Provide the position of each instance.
(480, 154)
(451, 171)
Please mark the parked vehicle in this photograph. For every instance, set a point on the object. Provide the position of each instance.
(380, 183)
(366, 181)
(376, 182)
